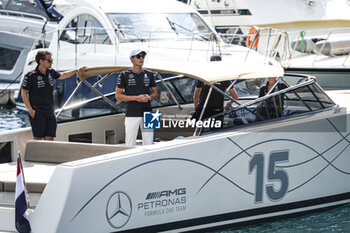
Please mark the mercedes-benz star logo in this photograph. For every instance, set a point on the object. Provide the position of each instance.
(119, 208)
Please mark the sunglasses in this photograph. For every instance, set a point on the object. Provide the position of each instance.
(138, 56)
(49, 60)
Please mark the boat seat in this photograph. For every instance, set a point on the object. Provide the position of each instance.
(33, 172)
(62, 152)
(42, 157)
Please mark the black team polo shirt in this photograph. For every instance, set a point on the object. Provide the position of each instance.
(136, 84)
(40, 87)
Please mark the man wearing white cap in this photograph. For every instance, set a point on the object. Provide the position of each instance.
(137, 87)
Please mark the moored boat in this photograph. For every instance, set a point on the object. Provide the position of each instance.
(251, 169)
(307, 23)
(103, 33)
(31, 27)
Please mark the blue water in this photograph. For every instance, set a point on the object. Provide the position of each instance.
(335, 220)
(11, 118)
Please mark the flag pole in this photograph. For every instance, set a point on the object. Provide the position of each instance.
(22, 223)
(24, 181)
(20, 163)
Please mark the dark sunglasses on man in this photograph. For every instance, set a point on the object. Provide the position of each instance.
(49, 60)
(138, 56)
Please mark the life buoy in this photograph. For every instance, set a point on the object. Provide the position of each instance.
(254, 37)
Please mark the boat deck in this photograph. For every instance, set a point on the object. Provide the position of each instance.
(42, 157)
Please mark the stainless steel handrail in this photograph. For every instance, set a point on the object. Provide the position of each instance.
(22, 14)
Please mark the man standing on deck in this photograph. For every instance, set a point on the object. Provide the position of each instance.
(137, 87)
(37, 95)
(215, 103)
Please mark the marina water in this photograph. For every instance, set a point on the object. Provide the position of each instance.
(335, 220)
(11, 118)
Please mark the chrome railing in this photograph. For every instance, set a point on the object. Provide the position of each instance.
(22, 15)
(319, 43)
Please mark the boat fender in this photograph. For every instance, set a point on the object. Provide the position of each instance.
(253, 37)
(334, 48)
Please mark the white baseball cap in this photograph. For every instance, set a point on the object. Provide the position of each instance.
(135, 52)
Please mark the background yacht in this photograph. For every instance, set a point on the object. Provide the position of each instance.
(281, 14)
(104, 32)
(311, 36)
(24, 25)
(31, 27)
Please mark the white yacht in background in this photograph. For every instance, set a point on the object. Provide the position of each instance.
(24, 25)
(322, 28)
(280, 14)
(320, 52)
(104, 32)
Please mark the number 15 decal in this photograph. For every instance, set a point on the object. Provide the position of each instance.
(257, 163)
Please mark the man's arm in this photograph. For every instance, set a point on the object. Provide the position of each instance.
(234, 95)
(70, 73)
(26, 102)
(197, 91)
(154, 94)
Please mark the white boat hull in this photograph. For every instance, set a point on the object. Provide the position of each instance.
(211, 181)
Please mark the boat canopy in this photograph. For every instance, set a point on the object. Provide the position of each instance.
(207, 72)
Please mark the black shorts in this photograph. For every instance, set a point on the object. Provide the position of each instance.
(43, 124)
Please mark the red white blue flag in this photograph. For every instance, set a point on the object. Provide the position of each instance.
(22, 220)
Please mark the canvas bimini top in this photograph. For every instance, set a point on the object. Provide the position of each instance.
(207, 72)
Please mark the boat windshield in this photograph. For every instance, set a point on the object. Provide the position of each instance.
(297, 99)
(182, 26)
(181, 87)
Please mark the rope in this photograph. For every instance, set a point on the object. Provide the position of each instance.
(285, 48)
(302, 42)
(213, 37)
(13, 81)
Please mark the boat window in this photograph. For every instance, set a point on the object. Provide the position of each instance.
(164, 96)
(23, 6)
(47, 3)
(185, 88)
(323, 98)
(85, 29)
(181, 87)
(8, 58)
(3, 4)
(181, 26)
(284, 103)
(81, 109)
(248, 88)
